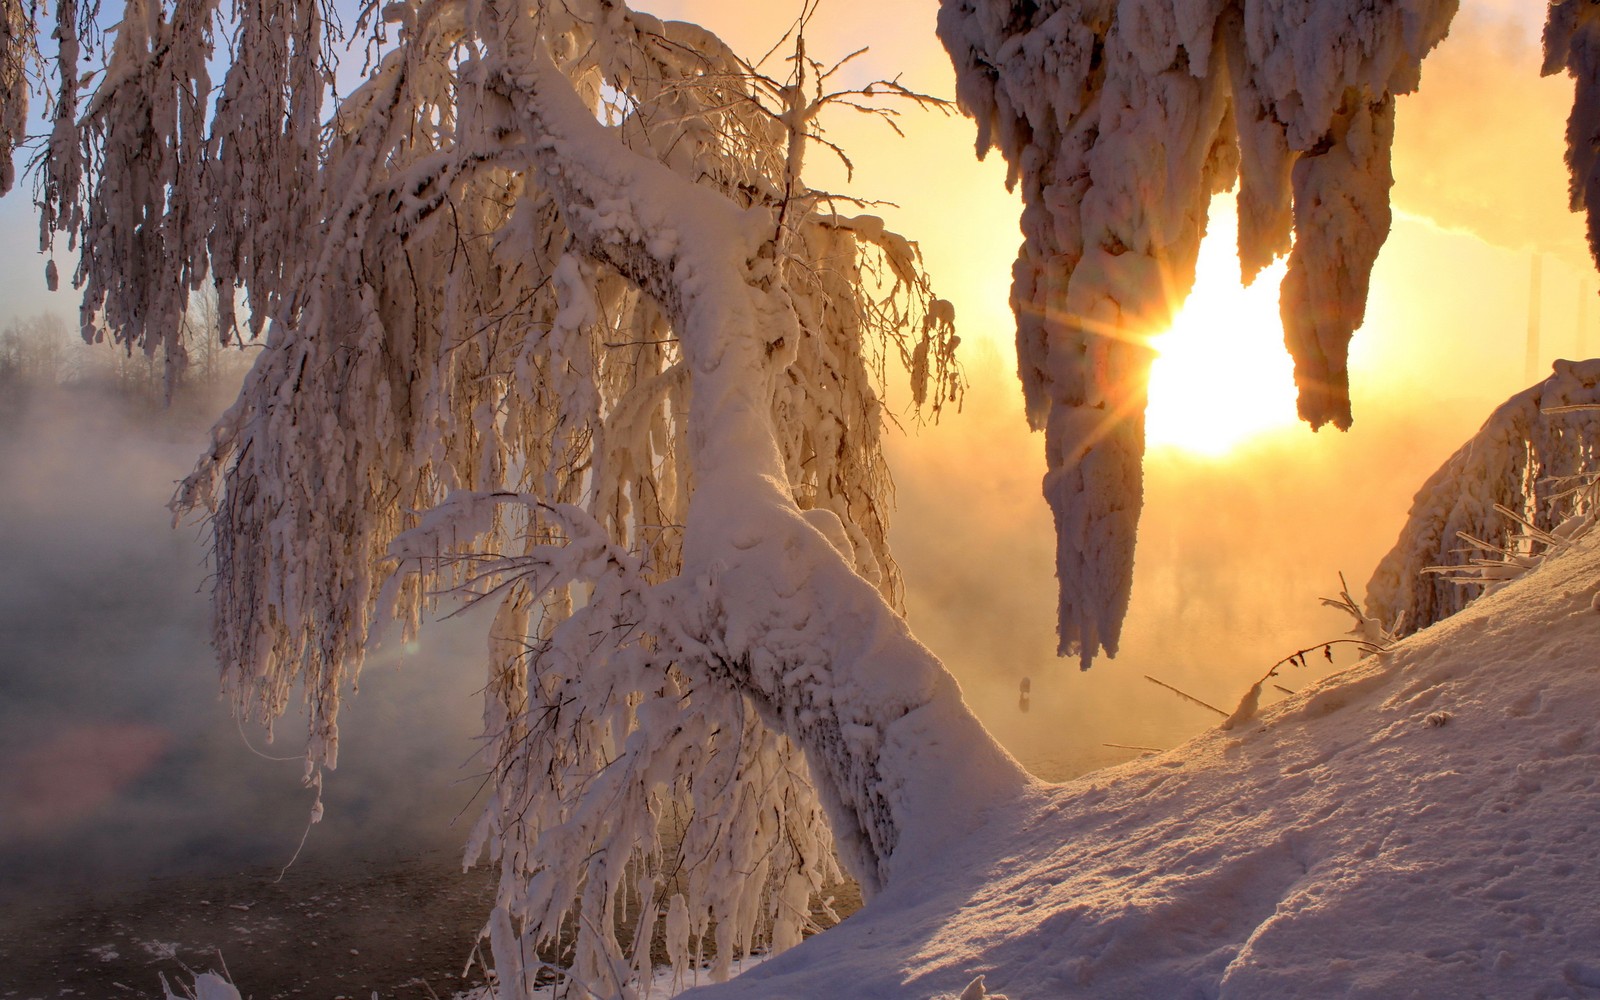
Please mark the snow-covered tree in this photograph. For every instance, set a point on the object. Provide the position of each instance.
(552, 319)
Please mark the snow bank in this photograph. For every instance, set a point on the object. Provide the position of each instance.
(1426, 824)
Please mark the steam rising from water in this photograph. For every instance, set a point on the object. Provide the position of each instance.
(117, 758)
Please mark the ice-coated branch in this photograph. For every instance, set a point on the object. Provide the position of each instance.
(1121, 120)
(17, 48)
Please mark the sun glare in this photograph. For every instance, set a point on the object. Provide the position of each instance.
(1221, 374)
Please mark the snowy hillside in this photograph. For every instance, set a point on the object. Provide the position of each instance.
(1426, 824)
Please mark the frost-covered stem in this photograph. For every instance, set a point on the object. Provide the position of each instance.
(765, 599)
(794, 118)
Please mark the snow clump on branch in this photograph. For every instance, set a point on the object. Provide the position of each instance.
(1520, 488)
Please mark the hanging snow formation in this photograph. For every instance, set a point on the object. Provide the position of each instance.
(16, 49)
(1572, 43)
(1121, 120)
(1515, 490)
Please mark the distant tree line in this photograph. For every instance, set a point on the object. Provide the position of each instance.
(41, 352)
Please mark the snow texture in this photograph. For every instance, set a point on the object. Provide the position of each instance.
(1121, 120)
(1422, 825)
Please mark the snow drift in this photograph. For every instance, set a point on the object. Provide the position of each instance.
(1426, 824)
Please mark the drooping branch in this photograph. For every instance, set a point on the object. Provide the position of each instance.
(17, 49)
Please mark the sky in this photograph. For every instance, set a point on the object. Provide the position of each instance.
(1238, 542)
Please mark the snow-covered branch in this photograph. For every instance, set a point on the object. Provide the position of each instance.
(17, 49)
(1572, 43)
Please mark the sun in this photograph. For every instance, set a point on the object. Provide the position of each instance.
(1221, 374)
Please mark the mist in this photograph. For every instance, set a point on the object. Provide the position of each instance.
(1479, 146)
(1234, 555)
(119, 761)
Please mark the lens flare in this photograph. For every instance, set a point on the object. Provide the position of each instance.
(1221, 374)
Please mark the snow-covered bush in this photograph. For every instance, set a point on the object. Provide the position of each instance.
(1518, 488)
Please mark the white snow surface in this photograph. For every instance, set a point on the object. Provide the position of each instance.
(1426, 824)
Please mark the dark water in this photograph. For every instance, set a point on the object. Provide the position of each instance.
(142, 831)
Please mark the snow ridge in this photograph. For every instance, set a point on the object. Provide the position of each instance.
(1421, 825)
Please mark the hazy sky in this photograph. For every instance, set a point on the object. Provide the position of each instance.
(1235, 547)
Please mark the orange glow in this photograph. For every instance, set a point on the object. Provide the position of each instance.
(1221, 374)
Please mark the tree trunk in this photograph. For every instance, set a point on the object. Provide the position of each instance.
(767, 599)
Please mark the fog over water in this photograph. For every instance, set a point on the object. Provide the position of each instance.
(117, 758)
